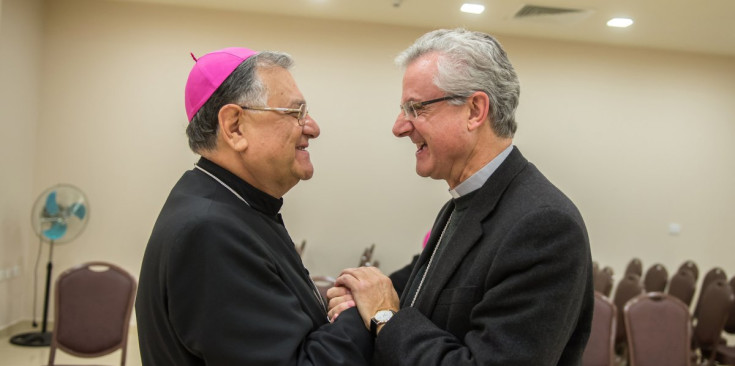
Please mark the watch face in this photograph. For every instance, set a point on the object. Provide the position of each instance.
(383, 315)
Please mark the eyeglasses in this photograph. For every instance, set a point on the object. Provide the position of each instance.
(412, 108)
(298, 113)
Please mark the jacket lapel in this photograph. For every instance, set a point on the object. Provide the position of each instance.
(468, 231)
(436, 231)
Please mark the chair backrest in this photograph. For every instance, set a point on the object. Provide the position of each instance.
(629, 287)
(713, 275)
(714, 309)
(595, 269)
(367, 256)
(730, 324)
(635, 266)
(93, 306)
(682, 286)
(658, 330)
(691, 267)
(604, 281)
(600, 349)
(656, 278)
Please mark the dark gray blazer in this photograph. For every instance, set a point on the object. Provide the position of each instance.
(514, 286)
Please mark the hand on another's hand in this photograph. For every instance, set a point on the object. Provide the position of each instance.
(370, 289)
(340, 299)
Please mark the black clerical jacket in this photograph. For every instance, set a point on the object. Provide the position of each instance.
(221, 284)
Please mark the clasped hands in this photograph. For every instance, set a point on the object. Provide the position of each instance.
(365, 287)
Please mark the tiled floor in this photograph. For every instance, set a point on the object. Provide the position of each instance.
(12, 355)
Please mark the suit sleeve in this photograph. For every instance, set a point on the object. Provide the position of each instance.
(229, 306)
(534, 291)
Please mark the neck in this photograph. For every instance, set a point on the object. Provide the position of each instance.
(485, 151)
(233, 163)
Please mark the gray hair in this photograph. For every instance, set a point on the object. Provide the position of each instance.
(243, 86)
(469, 62)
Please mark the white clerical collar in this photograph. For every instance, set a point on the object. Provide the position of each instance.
(481, 176)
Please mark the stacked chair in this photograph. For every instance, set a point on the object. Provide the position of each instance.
(628, 288)
(653, 320)
(656, 278)
(600, 350)
(658, 330)
(683, 284)
(725, 354)
(603, 280)
(714, 308)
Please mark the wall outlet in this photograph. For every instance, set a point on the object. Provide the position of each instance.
(15, 270)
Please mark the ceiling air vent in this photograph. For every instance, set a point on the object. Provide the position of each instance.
(554, 14)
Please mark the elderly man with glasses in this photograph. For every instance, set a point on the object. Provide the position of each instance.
(221, 282)
(506, 276)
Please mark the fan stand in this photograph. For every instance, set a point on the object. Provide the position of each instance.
(36, 339)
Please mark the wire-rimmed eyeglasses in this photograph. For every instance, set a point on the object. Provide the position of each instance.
(411, 108)
(299, 113)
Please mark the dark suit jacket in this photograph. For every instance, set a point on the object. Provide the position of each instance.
(221, 284)
(513, 287)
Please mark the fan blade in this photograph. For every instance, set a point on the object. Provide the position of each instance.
(52, 208)
(56, 231)
(78, 210)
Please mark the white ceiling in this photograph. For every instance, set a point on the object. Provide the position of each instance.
(705, 26)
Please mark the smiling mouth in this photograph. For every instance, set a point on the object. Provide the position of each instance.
(420, 147)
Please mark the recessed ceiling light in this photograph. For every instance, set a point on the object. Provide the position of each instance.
(619, 22)
(472, 8)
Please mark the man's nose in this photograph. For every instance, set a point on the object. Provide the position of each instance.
(311, 128)
(402, 127)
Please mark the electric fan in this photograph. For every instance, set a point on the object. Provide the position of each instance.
(58, 216)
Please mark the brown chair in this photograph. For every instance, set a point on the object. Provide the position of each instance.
(323, 283)
(600, 349)
(604, 281)
(715, 305)
(93, 306)
(656, 278)
(682, 286)
(714, 274)
(634, 266)
(726, 353)
(691, 267)
(659, 331)
(629, 287)
(367, 256)
(595, 269)
(730, 323)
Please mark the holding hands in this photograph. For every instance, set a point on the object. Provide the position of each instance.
(366, 287)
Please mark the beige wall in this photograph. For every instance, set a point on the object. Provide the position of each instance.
(637, 138)
(20, 51)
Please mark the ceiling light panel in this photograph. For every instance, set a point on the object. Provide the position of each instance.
(619, 22)
(472, 8)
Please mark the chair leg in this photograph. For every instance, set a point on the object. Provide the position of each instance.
(51, 355)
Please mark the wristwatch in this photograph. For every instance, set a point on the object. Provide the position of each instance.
(381, 317)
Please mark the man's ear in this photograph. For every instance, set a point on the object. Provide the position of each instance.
(230, 125)
(479, 104)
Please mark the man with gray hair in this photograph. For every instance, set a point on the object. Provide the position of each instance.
(221, 282)
(506, 276)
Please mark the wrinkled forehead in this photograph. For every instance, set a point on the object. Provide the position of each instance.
(418, 78)
(281, 86)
